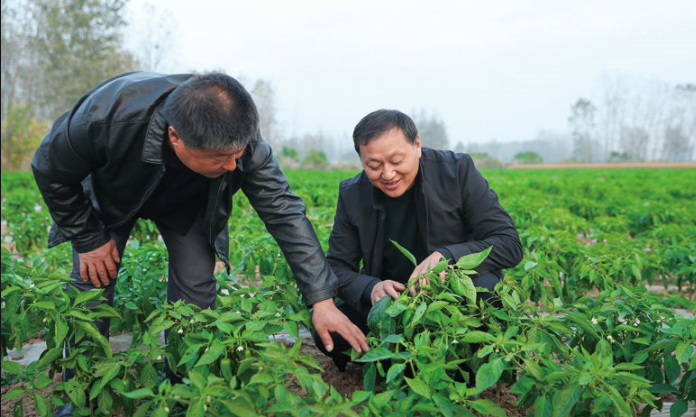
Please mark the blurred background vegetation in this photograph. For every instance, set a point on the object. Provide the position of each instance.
(55, 50)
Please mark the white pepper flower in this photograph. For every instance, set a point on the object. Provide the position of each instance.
(594, 321)
(240, 348)
(181, 331)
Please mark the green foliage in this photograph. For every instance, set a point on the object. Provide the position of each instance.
(315, 161)
(485, 161)
(21, 134)
(72, 55)
(527, 157)
(604, 233)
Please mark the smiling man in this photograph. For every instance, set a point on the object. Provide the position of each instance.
(174, 149)
(434, 203)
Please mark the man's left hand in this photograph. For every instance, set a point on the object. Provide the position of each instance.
(422, 270)
(328, 318)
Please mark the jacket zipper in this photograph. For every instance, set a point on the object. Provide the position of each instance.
(144, 199)
(212, 219)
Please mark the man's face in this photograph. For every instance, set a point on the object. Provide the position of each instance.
(391, 162)
(208, 163)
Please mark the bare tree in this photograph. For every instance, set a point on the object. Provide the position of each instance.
(583, 127)
(634, 142)
(264, 94)
(431, 129)
(680, 133)
(612, 113)
(11, 56)
(67, 47)
(154, 34)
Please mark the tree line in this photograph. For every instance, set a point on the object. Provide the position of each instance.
(635, 121)
(55, 50)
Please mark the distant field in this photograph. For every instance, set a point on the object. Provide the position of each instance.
(641, 165)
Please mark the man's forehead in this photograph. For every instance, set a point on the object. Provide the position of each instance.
(226, 152)
(372, 156)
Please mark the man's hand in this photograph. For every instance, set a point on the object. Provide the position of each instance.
(100, 264)
(328, 318)
(422, 269)
(384, 288)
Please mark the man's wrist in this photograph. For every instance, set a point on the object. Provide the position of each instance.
(447, 254)
(366, 296)
(323, 304)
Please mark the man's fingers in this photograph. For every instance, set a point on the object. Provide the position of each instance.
(114, 254)
(360, 337)
(399, 286)
(391, 291)
(352, 340)
(103, 275)
(326, 339)
(83, 272)
(93, 275)
(355, 338)
(443, 277)
(412, 290)
(111, 269)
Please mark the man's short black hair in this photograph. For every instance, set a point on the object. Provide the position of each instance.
(381, 121)
(212, 112)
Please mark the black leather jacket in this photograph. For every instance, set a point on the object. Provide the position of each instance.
(456, 210)
(102, 160)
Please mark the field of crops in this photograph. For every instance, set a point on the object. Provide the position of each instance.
(597, 319)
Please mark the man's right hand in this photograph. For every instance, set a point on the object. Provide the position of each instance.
(384, 288)
(100, 264)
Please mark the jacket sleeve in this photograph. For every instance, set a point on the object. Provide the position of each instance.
(344, 257)
(62, 161)
(283, 213)
(488, 223)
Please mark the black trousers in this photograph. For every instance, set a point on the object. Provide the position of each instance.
(190, 275)
(487, 281)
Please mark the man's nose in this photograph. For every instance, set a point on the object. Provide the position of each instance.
(230, 164)
(389, 173)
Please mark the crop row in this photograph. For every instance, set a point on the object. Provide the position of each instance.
(566, 354)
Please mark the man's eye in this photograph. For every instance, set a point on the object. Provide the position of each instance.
(373, 167)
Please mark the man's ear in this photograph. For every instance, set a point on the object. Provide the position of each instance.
(174, 137)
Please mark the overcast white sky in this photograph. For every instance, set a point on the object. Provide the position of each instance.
(492, 70)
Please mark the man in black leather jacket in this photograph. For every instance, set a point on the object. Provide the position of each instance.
(434, 203)
(174, 149)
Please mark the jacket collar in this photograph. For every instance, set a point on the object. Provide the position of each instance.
(156, 132)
